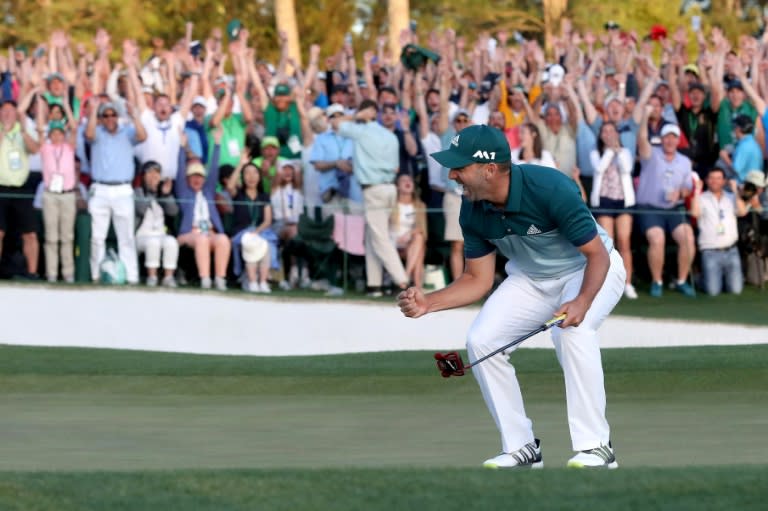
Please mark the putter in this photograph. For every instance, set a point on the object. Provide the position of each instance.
(450, 364)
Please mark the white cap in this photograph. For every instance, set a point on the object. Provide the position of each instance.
(670, 129)
(335, 108)
(756, 177)
(200, 100)
(556, 74)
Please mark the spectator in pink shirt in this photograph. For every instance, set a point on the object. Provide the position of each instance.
(57, 154)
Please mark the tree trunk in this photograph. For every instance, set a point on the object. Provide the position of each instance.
(399, 18)
(553, 11)
(285, 17)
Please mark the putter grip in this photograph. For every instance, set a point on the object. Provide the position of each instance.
(557, 320)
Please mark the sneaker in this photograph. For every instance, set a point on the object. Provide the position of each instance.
(293, 276)
(319, 285)
(152, 281)
(51, 280)
(657, 289)
(220, 283)
(599, 457)
(686, 289)
(205, 282)
(305, 282)
(528, 456)
(264, 287)
(629, 292)
(252, 287)
(334, 291)
(169, 281)
(285, 285)
(69, 279)
(374, 292)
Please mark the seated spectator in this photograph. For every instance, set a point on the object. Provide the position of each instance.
(716, 211)
(154, 205)
(613, 193)
(59, 202)
(408, 229)
(665, 180)
(252, 221)
(201, 227)
(531, 150)
(287, 205)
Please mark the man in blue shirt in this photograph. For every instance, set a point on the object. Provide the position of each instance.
(112, 173)
(559, 262)
(332, 157)
(746, 154)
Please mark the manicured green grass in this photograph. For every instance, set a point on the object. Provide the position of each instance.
(697, 489)
(136, 430)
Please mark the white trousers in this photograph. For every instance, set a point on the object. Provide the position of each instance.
(380, 250)
(115, 203)
(155, 245)
(520, 305)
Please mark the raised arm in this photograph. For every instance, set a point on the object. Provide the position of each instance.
(258, 86)
(752, 93)
(643, 144)
(645, 95)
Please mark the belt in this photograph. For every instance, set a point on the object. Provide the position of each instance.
(71, 190)
(725, 249)
(374, 184)
(112, 183)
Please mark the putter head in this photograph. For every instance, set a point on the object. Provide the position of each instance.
(450, 364)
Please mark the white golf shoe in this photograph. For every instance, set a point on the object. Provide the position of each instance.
(528, 456)
(599, 457)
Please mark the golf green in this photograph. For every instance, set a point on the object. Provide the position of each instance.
(79, 409)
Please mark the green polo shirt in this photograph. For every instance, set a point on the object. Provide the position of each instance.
(541, 227)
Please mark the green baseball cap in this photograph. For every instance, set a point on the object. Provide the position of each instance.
(475, 144)
(282, 89)
(57, 125)
(233, 29)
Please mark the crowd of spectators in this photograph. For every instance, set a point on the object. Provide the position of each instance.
(205, 151)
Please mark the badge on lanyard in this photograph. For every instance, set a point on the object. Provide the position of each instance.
(14, 160)
(57, 183)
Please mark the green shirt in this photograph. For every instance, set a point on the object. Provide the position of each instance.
(541, 227)
(232, 139)
(725, 117)
(266, 179)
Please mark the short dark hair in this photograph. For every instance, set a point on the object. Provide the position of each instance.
(717, 168)
(368, 103)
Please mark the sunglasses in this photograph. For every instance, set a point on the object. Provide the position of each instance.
(107, 116)
(462, 120)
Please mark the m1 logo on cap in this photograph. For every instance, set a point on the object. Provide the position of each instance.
(485, 155)
(455, 141)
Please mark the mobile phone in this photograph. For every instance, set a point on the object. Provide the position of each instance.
(413, 26)
(348, 38)
(518, 37)
(696, 23)
(39, 52)
(194, 48)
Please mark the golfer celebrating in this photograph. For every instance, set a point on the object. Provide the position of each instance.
(559, 262)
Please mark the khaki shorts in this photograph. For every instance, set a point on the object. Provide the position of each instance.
(451, 210)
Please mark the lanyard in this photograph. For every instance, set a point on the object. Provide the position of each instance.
(57, 157)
